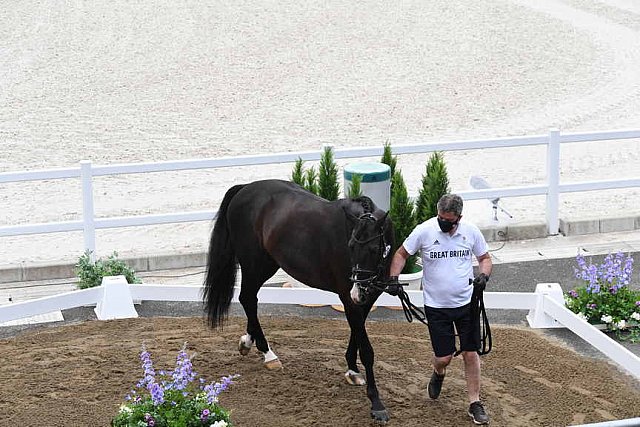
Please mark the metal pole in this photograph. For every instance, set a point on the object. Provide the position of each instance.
(553, 181)
(88, 214)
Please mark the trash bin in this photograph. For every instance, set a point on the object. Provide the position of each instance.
(376, 181)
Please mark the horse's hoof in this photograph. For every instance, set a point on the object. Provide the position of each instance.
(355, 378)
(243, 348)
(273, 365)
(380, 417)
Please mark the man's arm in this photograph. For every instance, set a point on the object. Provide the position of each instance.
(398, 261)
(485, 265)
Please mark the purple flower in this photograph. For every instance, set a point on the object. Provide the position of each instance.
(147, 366)
(573, 294)
(638, 303)
(183, 374)
(592, 306)
(614, 272)
(214, 390)
(157, 393)
(593, 288)
(173, 391)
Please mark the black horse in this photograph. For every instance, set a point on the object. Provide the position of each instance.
(341, 246)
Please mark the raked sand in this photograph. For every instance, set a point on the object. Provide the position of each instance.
(142, 81)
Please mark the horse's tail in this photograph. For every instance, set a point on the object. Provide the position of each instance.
(221, 265)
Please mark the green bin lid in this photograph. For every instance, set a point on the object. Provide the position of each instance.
(370, 172)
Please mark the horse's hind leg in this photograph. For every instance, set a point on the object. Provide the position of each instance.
(253, 278)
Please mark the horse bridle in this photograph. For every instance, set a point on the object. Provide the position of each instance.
(366, 279)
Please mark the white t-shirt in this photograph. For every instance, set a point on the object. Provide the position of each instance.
(447, 263)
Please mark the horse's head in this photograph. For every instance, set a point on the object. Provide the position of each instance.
(370, 251)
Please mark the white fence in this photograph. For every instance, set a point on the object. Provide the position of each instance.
(115, 299)
(86, 171)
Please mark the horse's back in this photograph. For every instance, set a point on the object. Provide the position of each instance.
(304, 234)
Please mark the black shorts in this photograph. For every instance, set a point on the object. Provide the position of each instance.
(443, 335)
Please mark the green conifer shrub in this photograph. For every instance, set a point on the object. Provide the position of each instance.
(355, 189)
(328, 185)
(297, 175)
(403, 218)
(435, 184)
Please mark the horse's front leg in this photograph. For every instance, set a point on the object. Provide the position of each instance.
(356, 318)
(378, 411)
(353, 375)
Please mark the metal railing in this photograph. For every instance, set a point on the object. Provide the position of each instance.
(86, 171)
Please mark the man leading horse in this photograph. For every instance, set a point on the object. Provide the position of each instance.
(446, 245)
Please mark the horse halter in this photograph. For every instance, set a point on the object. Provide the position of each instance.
(362, 277)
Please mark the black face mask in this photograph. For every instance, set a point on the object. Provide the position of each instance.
(446, 226)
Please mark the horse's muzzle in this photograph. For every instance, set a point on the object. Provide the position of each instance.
(363, 282)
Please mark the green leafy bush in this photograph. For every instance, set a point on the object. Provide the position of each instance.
(90, 273)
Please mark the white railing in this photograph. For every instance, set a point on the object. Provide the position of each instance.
(115, 300)
(86, 172)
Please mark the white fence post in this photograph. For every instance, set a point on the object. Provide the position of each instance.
(116, 302)
(88, 214)
(553, 181)
(537, 316)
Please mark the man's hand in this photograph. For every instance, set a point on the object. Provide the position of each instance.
(480, 282)
(393, 287)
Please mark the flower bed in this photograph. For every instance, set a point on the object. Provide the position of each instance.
(175, 398)
(606, 298)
